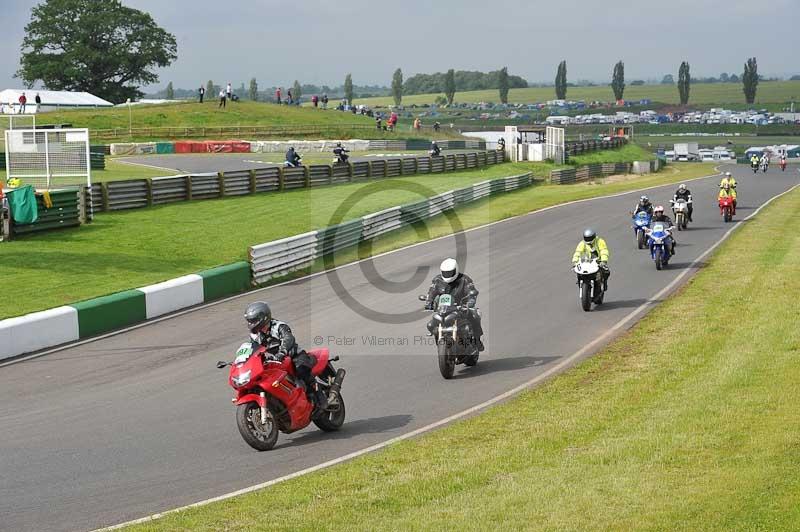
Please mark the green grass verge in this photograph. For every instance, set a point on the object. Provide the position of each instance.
(688, 422)
(701, 93)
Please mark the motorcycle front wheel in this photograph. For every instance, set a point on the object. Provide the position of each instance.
(586, 296)
(331, 421)
(659, 260)
(640, 239)
(261, 437)
(447, 362)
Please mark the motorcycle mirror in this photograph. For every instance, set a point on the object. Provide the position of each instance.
(423, 298)
(221, 364)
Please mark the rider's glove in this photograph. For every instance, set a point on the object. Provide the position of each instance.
(603, 264)
(281, 355)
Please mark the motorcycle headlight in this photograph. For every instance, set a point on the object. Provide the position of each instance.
(657, 240)
(241, 379)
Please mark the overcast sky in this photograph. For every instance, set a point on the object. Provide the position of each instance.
(319, 41)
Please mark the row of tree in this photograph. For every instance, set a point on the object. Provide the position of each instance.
(749, 81)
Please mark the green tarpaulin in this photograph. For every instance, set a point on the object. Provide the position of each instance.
(22, 202)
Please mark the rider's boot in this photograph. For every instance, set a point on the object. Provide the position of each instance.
(481, 347)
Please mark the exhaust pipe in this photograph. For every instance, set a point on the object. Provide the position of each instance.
(336, 387)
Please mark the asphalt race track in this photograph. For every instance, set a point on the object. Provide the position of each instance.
(229, 162)
(142, 422)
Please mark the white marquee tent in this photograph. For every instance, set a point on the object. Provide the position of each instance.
(51, 101)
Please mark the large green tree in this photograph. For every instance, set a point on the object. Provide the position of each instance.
(210, 92)
(397, 86)
(502, 84)
(348, 89)
(750, 80)
(618, 80)
(684, 82)
(561, 81)
(97, 46)
(170, 92)
(450, 86)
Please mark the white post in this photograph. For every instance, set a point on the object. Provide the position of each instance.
(46, 158)
(81, 191)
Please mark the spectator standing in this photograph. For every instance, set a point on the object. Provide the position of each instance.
(222, 98)
(436, 126)
(314, 100)
(278, 95)
(229, 90)
(38, 100)
(378, 123)
(22, 101)
(202, 92)
(325, 100)
(417, 124)
(289, 96)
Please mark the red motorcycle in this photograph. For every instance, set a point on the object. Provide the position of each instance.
(270, 398)
(727, 208)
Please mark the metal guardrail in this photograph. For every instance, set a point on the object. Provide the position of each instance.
(565, 176)
(278, 258)
(140, 193)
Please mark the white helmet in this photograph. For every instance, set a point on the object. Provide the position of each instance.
(449, 269)
(682, 186)
(727, 174)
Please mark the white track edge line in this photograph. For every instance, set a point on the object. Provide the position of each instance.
(535, 380)
(24, 358)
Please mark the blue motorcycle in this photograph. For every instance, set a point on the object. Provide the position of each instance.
(659, 239)
(641, 221)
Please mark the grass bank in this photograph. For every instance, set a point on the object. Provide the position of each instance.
(702, 93)
(125, 250)
(687, 422)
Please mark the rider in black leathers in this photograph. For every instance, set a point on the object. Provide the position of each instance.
(292, 158)
(341, 153)
(263, 328)
(460, 286)
(684, 194)
(644, 205)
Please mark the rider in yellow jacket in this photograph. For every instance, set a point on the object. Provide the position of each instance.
(729, 180)
(727, 191)
(595, 247)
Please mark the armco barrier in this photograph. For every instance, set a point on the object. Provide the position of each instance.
(139, 193)
(278, 258)
(565, 176)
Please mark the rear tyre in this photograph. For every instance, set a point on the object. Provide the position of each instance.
(261, 437)
(586, 297)
(640, 239)
(447, 362)
(331, 421)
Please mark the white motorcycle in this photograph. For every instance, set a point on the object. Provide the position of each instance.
(590, 282)
(680, 209)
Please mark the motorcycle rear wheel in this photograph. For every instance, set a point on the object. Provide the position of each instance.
(586, 297)
(331, 421)
(258, 436)
(447, 362)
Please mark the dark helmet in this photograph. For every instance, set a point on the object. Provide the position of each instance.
(338, 144)
(589, 235)
(257, 315)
